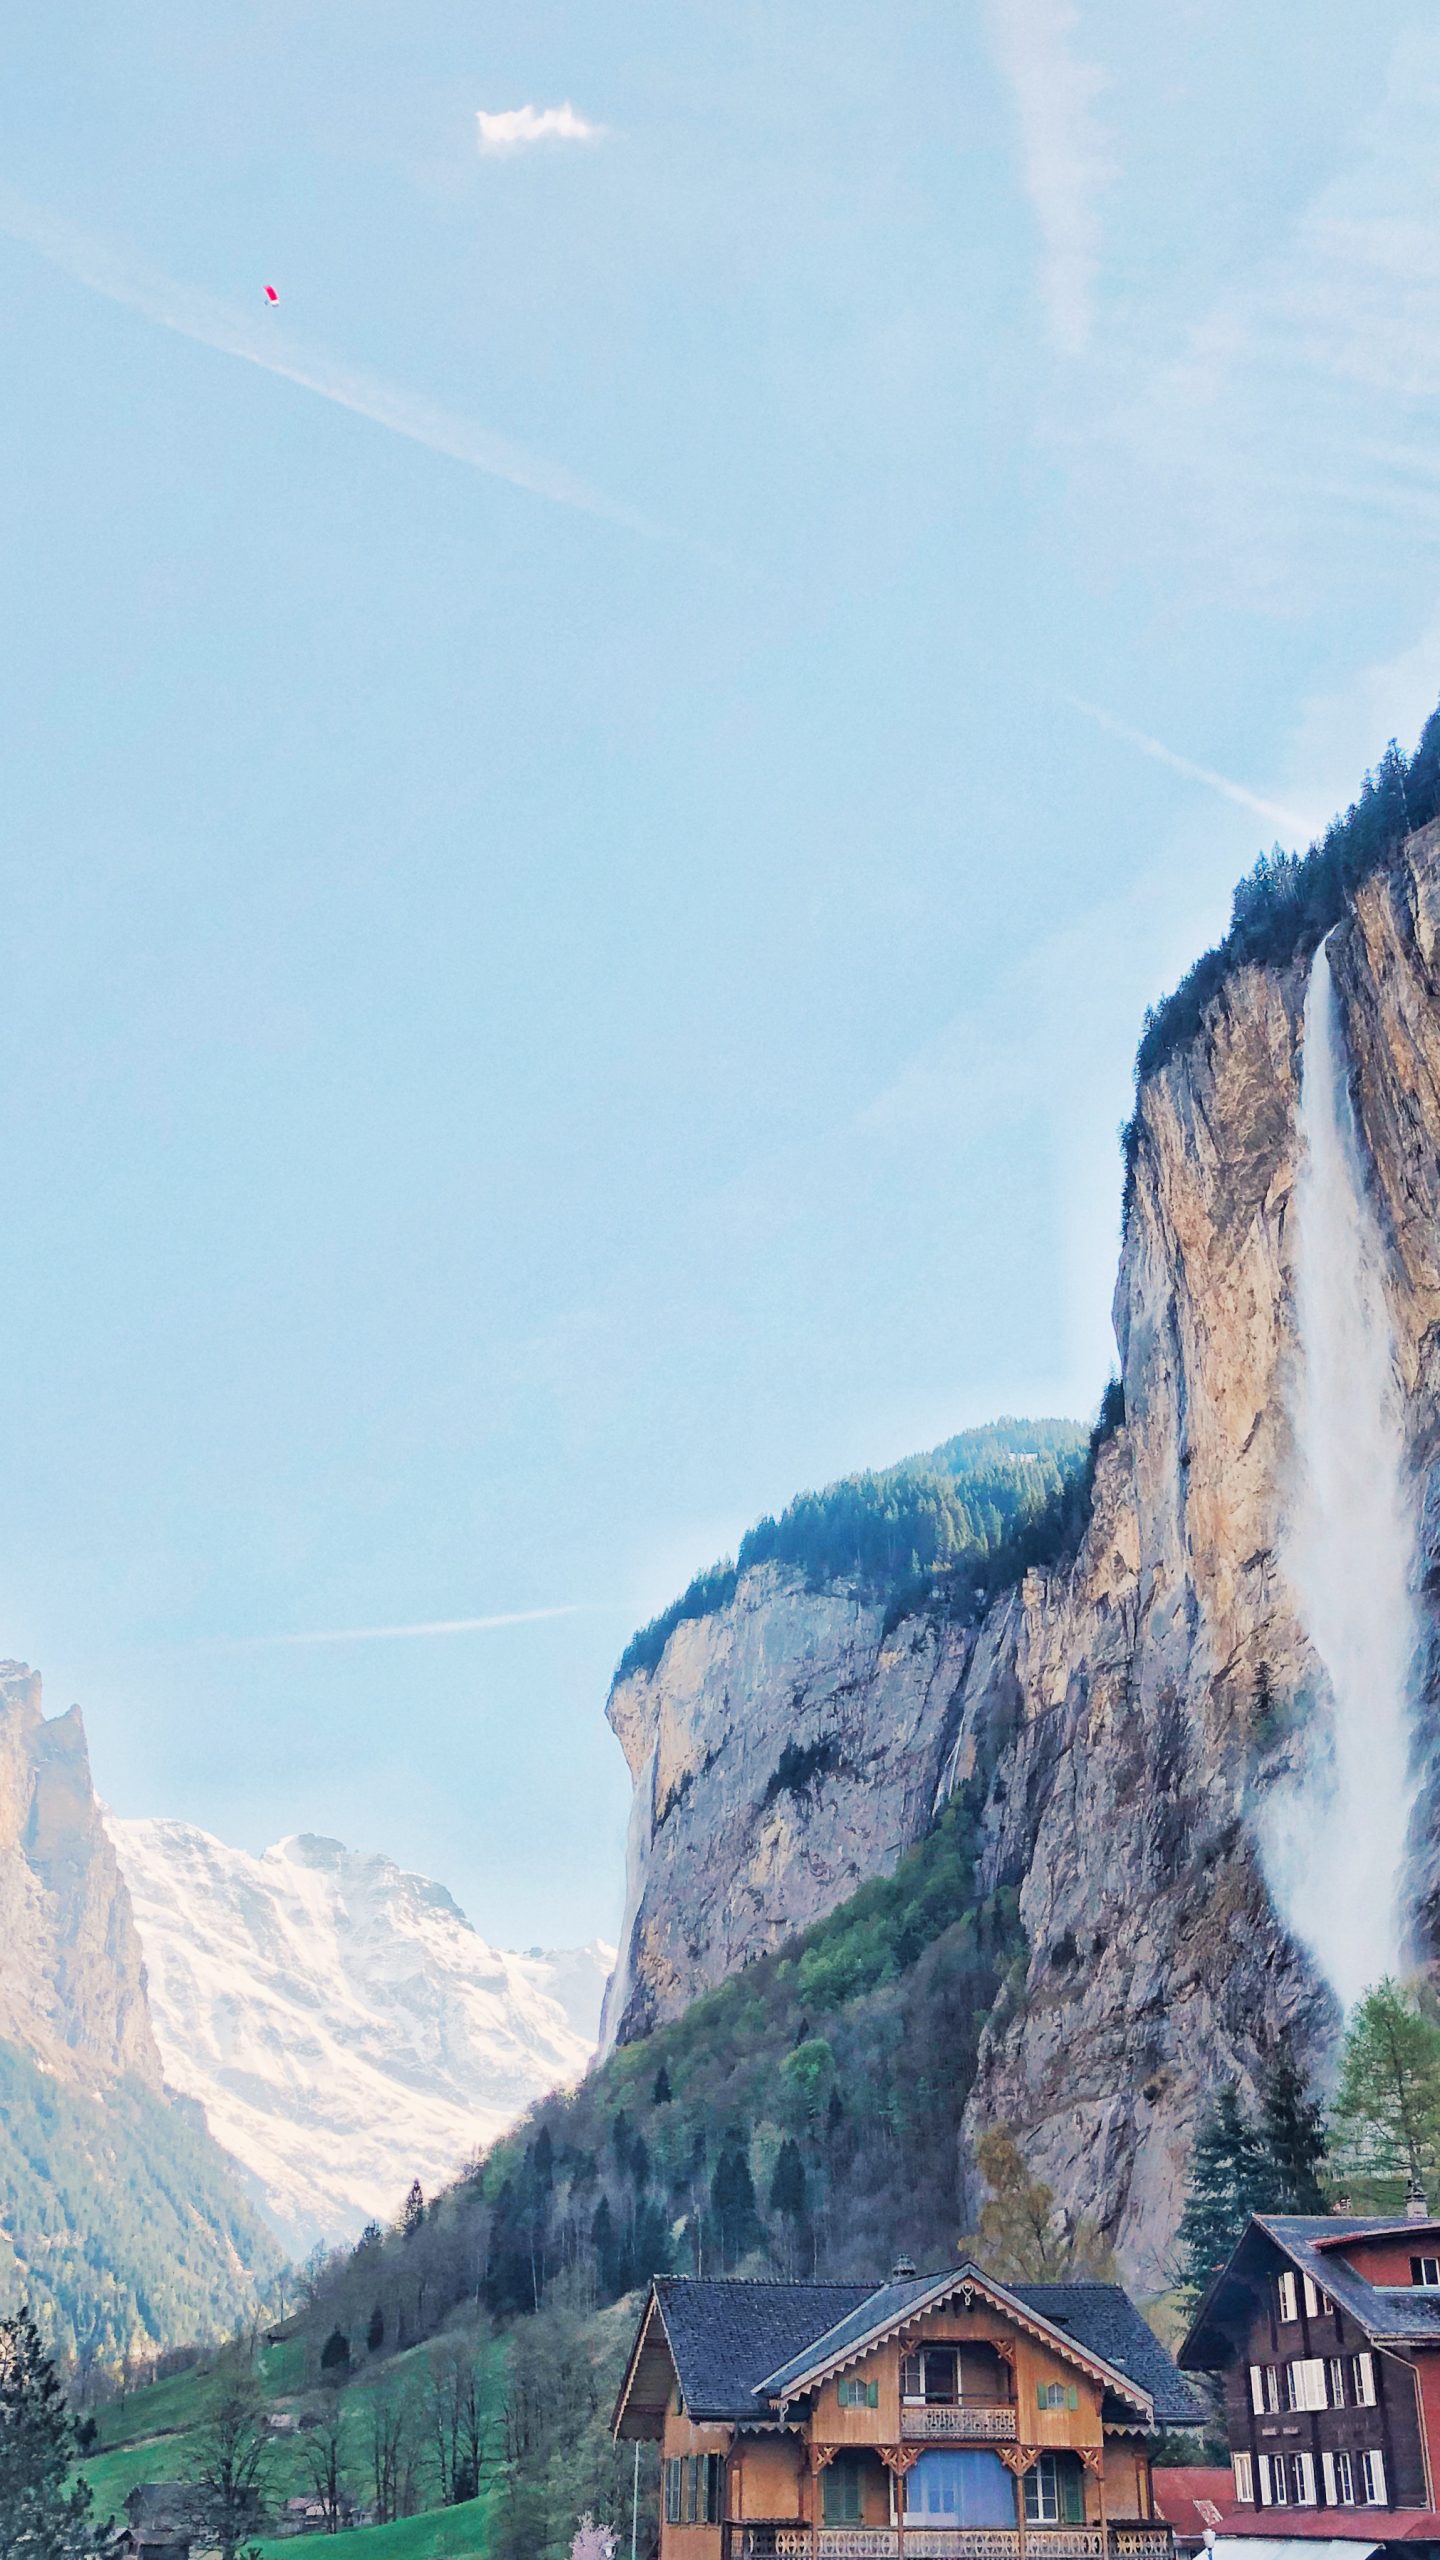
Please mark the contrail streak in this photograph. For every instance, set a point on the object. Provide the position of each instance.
(1270, 810)
(139, 287)
(426, 1627)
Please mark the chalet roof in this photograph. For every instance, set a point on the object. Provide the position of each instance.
(1193, 2497)
(740, 2348)
(1391, 2315)
(1102, 2318)
(725, 2336)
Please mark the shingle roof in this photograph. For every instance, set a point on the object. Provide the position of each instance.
(726, 2336)
(1103, 2318)
(729, 2338)
(1404, 2312)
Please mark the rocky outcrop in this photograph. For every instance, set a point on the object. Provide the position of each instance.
(784, 1748)
(72, 1988)
(1125, 1721)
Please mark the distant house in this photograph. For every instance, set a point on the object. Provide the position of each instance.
(165, 2517)
(943, 2417)
(1326, 2332)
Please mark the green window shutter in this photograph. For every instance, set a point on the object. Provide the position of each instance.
(1072, 2494)
(672, 2492)
(1072, 2396)
(1041, 2401)
(872, 2395)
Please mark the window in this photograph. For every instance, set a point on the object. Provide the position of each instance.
(961, 2489)
(1362, 2373)
(853, 2393)
(1305, 2383)
(1279, 2480)
(1057, 2395)
(932, 2374)
(1272, 2387)
(1343, 2492)
(1054, 2491)
(1302, 2479)
(842, 2503)
(1262, 2465)
(1425, 2271)
(1312, 2297)
(1372, 2475)
(1257, 2388)
(695, 2489)
(1337, 2382)
(1285, 2286)
(1244, 2471)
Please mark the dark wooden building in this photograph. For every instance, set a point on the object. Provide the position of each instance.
(1326, 2334)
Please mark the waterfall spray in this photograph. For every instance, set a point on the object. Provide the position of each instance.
(1336, 1838)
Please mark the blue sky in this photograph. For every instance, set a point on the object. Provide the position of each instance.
(595, 798)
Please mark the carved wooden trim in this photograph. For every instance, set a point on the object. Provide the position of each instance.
(1019, 2458)
(898, 2458)
(823, 2454)
(1093, 2457)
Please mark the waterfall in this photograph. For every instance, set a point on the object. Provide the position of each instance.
(637, 1850)
(1336, 1838)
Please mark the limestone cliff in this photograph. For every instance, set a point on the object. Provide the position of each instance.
(72, 1989)
(1125, 1719)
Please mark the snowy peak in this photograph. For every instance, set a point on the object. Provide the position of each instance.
(340, 2021)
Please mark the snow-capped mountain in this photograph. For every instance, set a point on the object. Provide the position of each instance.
(342, 2024)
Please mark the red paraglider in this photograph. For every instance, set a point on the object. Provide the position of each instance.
(270, 294)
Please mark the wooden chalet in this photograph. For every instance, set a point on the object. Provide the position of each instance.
(943, 2417)
(1326, 2333)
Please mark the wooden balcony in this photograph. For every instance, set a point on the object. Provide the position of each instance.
(959, 2422)
(792, 2540)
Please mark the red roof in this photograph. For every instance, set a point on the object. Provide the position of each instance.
(1331, 2524)
(1191, 2496)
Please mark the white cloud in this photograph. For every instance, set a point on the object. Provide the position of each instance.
(1063, 157)
(515, 128)
(426, 1627)
(1273, 812)
(123, 278)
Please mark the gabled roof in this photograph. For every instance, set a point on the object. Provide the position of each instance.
(1104, 2319)
(742, 2352)
(892, 2306)
(1391, 2315)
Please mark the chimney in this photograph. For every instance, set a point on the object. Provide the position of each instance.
(1416, 2208)
(902, 2270)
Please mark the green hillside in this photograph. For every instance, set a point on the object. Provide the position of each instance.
(118, 2221)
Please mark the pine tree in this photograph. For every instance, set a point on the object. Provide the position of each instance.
(787, 2186)
(732, 2199)
(335, 2355)
(1225, 2188)
(412, 2212)
(662, 2092)
(1292, 2140)
(41, 2515)
(375, 2334)
(1387, 2110)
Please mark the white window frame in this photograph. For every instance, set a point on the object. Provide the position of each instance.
(1310, 2291)
(1363, 2368)
(1244, 2475)
(1372, 2474)
(1279, 2480)
(1285, 2286)
(1257, 2389)
(1344, 2480)
(1303, 2473)
(1046, 2475)
(1272, 2390)
(1327, 2478)
(1290, 2386)
(1337, 2382)
(1309, 2373)
(1262, 2465)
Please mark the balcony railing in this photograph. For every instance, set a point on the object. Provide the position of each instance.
(978, 2422)
(792, 2540)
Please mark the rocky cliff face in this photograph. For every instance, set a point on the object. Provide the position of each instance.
(1127, 1719)
(72, 1988)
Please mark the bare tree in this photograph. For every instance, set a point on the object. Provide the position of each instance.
(326, 2447)
(230, 2456)
(390, 2427)
(455, 2413)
